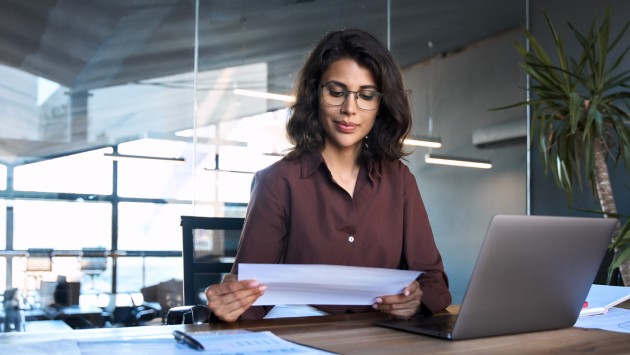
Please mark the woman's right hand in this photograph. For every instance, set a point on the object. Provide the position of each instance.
(231, 298)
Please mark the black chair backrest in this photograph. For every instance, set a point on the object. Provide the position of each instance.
(209, 248)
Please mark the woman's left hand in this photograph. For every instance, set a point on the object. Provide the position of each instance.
(404, 305)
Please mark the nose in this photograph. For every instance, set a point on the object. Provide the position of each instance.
(350, 105)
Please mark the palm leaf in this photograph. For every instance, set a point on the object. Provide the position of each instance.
(577, 104)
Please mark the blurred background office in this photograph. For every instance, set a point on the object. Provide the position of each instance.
(118, 117)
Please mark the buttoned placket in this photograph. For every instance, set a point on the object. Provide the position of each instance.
(362, 190)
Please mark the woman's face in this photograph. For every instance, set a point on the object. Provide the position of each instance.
(347, 125)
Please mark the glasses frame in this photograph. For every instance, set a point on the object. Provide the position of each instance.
(347, 93)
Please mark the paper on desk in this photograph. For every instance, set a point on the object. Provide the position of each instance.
(616, 320)
(222, 342)
(325, 284)
(600, 298)
(52, 347)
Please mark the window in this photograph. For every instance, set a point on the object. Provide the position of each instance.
(27, 281)
(266, 141)
(150, 226)
(83, 173)
(147, 178)
(136, 273)
(3, 225)
(3, 177)
(233, 187)
(3, 272)
(62, 225)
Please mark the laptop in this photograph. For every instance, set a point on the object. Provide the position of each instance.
(532, 273)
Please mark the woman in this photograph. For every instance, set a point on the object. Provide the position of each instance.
(342, 195)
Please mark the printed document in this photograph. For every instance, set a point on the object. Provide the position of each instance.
(221, 342)
(325, 284)
(602, 297)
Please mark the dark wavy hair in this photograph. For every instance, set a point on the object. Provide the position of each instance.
(393, 122)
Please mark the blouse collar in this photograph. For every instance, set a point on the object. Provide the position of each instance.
(310, 162)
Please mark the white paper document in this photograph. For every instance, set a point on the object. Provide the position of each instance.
(224, 343)
(325, 284)
(51, 347)
(602, 297)
(615, 320)
(227, 342)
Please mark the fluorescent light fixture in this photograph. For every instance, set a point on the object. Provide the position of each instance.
(229, 171)
(422, 141)
(456, 161)
(264, 95)
(273, 154)
(119, 157)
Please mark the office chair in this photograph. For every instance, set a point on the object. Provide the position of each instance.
(93, 262)
(197, 314)
(209, 248)
(38, 263)
(163, 296)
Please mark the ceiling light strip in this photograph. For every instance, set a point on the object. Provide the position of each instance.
(229, 171)
(264, 95)
(119, 157)
(429, 142)
(456, 161)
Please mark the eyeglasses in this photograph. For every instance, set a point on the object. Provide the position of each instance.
(335, 95)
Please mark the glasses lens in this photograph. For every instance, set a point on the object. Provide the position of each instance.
(336, 96)
(368, 99)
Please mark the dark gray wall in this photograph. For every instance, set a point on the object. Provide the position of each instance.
(461, 201)
(546, 198)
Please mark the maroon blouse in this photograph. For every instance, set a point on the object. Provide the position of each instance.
(298, 214)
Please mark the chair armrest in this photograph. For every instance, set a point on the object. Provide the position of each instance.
(188, 315)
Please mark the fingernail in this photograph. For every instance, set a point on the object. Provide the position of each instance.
(253, 284)
(375, 306)
(406, 293)
(262, 287)
(378, 300)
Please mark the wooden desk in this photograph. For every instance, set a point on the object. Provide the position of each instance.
(357, 334)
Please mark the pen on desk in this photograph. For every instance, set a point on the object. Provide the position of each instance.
(184, 338)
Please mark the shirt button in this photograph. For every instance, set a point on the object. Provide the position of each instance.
(351, 239)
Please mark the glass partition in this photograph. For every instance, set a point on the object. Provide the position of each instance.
(83, 126)
(118, 121)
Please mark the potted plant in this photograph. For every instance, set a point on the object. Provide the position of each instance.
(579, 118)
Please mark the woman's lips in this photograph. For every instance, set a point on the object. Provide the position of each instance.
(345, 127)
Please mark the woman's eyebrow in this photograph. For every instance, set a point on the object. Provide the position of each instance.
(362, 87)
(333, 82)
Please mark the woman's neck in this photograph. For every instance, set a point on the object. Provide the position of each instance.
(344, 166)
